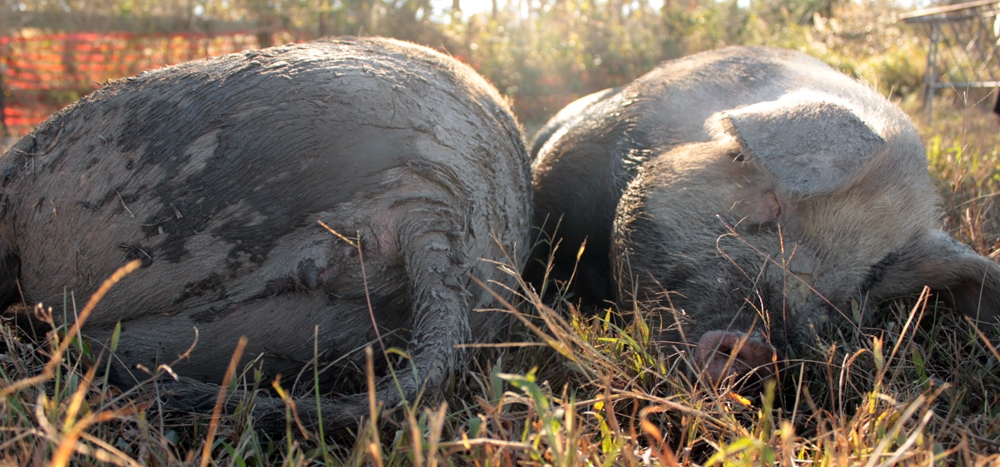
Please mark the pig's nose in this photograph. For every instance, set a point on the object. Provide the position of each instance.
(725, 354)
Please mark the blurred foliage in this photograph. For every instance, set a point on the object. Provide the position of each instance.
(545, 53)
(566, 49)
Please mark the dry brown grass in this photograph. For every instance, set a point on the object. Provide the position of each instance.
(913, 384)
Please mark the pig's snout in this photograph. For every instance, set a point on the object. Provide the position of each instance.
(725, 354)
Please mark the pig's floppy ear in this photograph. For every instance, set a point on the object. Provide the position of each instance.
(812, 142)
(969, 281)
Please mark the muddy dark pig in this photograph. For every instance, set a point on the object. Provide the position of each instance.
(751, 194)
(217, 174)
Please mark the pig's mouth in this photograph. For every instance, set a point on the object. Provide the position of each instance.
(732, 357)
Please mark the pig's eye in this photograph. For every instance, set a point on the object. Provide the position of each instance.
(739, 157)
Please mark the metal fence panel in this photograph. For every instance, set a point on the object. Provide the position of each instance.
(964, 48)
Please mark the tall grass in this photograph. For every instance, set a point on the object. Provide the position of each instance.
(963, 152)
(913, 383)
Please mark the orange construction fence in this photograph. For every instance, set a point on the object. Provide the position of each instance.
(42, 73)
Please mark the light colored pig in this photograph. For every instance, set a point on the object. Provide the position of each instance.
(753, 193)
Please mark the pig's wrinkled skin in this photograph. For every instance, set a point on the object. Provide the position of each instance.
(215, 173)
(752, 193)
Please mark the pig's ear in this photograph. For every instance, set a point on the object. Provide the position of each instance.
(812, 142)
(969, 281)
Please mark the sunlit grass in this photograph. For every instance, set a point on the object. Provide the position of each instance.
(912, 384)
(963, 151)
